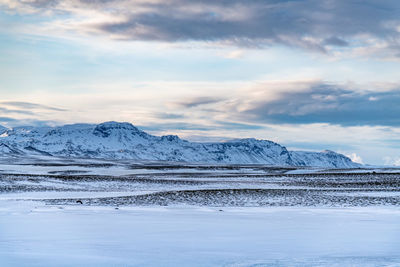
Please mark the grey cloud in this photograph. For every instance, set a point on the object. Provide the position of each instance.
(169, 116)
(7, 119)
(326, 103)
(308, 24)
(198, 101)
(239, 126)
(335, 41)
(223, 125)
(16, 111)
(12, 122)
(28, 105)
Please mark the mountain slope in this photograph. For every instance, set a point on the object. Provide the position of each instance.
(115, 140)
(2, 129)
(325, 158)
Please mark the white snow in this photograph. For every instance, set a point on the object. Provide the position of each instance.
(2, 129)
(35, 235)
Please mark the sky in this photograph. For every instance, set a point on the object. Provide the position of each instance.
(310, 75)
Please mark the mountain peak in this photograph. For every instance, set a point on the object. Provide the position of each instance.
(327, 151)
(106, 128)
(116, 125)
(171, 138)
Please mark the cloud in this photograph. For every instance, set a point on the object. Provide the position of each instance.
(16, 111)
(197, 101)
(320, 102)
(29, 106)
(317, 25)
(355, 158)
(234, 54)
(297, 102)
(13, 122)
(239, 126)
(335, 41)
(392, 161)
(202, 127)
(7, 119)
(169, 116)
(174, 126)
(19, 113)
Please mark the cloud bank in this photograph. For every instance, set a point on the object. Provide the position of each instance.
(318, 25)
(327, 103)
(17, 113)
(306, 102)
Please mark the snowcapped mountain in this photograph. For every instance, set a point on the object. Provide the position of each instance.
(113, 140)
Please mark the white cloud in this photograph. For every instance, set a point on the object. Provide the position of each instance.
(356, 158)
(392, 161)
(235, 54)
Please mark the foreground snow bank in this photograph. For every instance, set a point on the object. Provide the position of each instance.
(32, 234)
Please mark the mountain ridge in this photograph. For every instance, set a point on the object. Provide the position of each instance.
(122, 140)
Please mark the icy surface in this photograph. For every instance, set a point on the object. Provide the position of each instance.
(35, 235)
(113, 140)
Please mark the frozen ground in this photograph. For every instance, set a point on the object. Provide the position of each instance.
(100, 213)
(154, 236)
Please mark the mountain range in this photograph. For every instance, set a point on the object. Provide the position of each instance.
(115, 140)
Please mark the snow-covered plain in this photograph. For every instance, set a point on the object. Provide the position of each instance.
(36, 235)
(136, 214)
